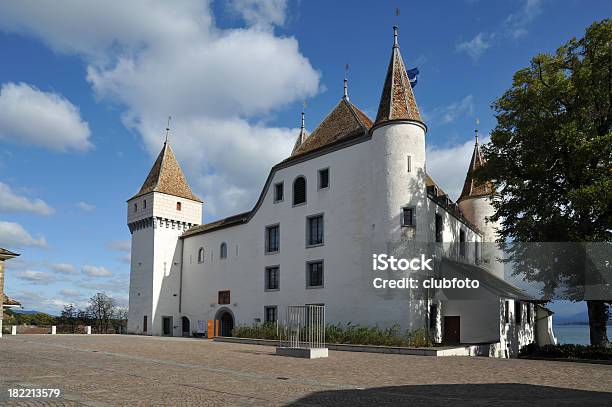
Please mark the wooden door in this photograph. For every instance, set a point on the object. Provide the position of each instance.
(452, 333)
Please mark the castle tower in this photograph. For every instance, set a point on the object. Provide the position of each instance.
(476, 205)
(157, 215)
(398, 143)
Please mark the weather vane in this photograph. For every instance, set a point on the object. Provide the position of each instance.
(168, 128)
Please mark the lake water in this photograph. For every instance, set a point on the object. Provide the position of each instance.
(578, 334)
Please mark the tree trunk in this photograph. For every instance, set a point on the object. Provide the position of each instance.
(598, 318)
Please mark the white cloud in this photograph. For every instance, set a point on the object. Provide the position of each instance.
(67, 292)
(14, 235)
(64, 268)
(448, 166)
(516, 23)
(94, 271)
(35, 277)
(46, 119)
(119, 245)
(84, 206)
(220, 85)
(11, 201)
(448, 114)
(259, 13)
(476, 46)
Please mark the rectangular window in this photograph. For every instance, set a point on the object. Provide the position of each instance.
(144, 324)
(409, 163)
(224, 297)
(270, 313)
(462, 243)
(272, 278)
(178, 206)
(314, 274)
(272, 238)
(314, 226)
(144, 204)
(324, 178)
(433, 315)
(135, 207)
(518, 311)
(278, 192)
(507, 312)
(438, 228)
(528, 305)
(408, 216)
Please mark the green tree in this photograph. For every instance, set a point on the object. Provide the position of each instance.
(550, 160)
(101, 309)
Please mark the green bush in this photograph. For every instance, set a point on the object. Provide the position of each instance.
(346, 334)
(567, 351)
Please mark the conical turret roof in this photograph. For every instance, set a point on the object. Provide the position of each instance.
(167, 177)
(397, 100)
(471, 187)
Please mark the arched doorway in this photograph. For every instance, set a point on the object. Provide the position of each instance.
(185, 326)
(226, 321)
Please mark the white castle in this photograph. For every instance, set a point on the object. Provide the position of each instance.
(350, 189)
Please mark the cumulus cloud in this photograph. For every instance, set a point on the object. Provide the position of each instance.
(36, 277)
(516, 24)
(448, 166)
(220, 85)
(63, 268)
(94, 271)
(14, 235)
(45, 119)
(12, 201)
(85, 207)
(67, 292)
(476, 46)
(448, 114)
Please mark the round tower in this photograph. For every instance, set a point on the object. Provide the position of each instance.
(476, 204)
(398, 143)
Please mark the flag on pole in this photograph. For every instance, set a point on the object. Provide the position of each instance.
(413, 76)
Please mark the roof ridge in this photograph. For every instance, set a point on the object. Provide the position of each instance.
(355, 115)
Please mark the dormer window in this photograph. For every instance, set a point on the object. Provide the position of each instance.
(178, 206)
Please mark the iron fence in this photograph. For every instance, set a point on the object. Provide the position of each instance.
(304, 327)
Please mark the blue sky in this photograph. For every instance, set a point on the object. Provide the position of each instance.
(86, 90)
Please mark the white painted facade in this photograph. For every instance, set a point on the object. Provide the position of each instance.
(370, 181)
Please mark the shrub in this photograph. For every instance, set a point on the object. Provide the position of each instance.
(567, 351)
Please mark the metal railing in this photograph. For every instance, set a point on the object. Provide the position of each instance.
(304, 327)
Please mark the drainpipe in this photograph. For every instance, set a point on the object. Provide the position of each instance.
(181, 277)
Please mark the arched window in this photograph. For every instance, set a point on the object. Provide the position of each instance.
(299, 190)
(201, 255)
(223, 250)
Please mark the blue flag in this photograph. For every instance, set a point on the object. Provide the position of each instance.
(413, 76)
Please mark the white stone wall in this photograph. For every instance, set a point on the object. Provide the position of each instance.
(513, 335)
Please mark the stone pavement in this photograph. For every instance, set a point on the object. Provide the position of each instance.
(109, 370)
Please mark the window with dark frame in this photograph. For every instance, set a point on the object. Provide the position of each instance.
(409, 163)
(315, 230)
(438, 228)
(518, 311)
(223, 250)
(433, 315)
(324, 178)
(299, 191)
(462, 243)
(528, 305)
(178, 206)
(144, 324)
(201, 255)
(272, 238)
(314, 275)
(272, 278)
(507, 312)
(224, 297)
(144, 204)
(407, 216)
(270, 313)
(278, 192)
(135, 207)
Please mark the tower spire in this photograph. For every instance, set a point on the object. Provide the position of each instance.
(303, 133)
(168, 129)
(395, 43)
(476, 130)
(346, 68)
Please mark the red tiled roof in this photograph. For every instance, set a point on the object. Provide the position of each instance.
(167, 177)
(472, 188)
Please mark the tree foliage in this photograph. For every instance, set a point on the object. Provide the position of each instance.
(550, 160)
